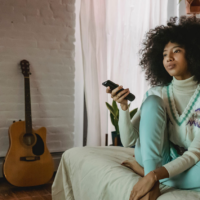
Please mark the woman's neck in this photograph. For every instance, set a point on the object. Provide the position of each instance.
(186, 86)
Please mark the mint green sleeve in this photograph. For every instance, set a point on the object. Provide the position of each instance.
(129, 128)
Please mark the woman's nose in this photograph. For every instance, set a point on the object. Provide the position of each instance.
(169, 57)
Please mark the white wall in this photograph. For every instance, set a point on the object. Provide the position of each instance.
(43, 32)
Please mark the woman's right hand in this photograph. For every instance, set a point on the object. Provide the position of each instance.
(120, 97)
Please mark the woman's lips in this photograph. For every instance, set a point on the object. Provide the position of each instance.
(170, 66)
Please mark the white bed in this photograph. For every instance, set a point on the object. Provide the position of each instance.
(95, 173)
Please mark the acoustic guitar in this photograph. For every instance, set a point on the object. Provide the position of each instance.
(28, 161)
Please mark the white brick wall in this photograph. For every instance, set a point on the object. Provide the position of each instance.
(42, 32)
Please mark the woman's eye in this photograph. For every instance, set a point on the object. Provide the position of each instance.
(177, 50)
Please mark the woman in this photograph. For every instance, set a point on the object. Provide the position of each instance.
(166, 128)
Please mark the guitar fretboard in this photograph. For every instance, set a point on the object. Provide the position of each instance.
(28, 117)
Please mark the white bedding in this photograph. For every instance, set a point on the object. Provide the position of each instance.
(95, 173)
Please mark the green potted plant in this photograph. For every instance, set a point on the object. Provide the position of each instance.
(114, 116)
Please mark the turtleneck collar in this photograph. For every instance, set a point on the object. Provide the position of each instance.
(186, 86)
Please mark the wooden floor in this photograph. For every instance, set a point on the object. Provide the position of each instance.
(10, 192)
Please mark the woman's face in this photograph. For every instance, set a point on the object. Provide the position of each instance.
(174, 61)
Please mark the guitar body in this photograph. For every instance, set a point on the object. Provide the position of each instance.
(27, 165)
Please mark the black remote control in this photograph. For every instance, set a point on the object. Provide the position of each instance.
(112, 86)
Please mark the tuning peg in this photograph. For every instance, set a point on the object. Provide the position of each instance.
(13, 121)
(20, 120)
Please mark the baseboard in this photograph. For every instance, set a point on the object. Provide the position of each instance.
(56, 157)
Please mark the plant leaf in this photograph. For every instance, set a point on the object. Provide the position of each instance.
(111, 109)
(112, 119)
(118, 114)
(117, 129)
(132, 113)
(115, 123)
(115, 107)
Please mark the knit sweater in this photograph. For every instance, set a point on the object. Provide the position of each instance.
(182, 103)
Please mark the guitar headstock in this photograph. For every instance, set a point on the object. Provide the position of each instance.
(25, 67)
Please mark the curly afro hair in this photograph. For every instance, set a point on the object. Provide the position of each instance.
(186, 33)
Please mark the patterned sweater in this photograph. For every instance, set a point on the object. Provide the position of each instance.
(184, 129)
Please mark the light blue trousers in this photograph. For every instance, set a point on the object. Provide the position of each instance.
(153, 148)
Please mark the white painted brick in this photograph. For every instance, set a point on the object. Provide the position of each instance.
(14, 114)
(13, 2)
(57, 1)
(36, 114)
(11, 106)
(67, 46)
(2, 33)
(49, 45)
(34, 20)
(68, 2)
(37, 52)
(52, 146)
(70, 23)
(70, 38)
(54, 22)
(37, 3)
(54, 32)
(14, 50)
(21, 27)
(60, 15)
(18, 43)
(26, 10)
(9, 121)
(15, 34)
(3, 123)
(67, 53)
(46, 13)
(6, 9)
(69, 16)
(57, 129)
(70, 31)
(61, 121)
(56, 7)
(70, 8)
(66, 91)
(44, 35)
(11, 18)
(6, 25)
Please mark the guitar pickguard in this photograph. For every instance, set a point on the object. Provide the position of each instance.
(38, 148)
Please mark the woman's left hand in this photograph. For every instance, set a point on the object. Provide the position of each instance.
(143, 186)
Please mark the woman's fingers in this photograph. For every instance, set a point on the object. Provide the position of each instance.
(116, 94)
(125, 92)
(108, 90)
(116, 90)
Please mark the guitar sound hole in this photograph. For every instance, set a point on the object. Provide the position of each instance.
(28, 139)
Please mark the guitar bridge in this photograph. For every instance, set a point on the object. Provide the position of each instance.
(30, 158)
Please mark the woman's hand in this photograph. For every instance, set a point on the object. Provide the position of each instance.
(143, 186)
(119, 97)
(153, 194)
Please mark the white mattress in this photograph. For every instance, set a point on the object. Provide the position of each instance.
(95, 173)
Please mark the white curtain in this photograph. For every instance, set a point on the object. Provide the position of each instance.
(112, 32)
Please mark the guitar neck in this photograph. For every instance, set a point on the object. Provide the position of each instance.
(28, 117)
